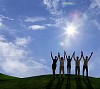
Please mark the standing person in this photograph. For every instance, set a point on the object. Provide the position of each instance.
(69, 59)
(77, 64)
(61, 69)
(85, 66)
(54, 64)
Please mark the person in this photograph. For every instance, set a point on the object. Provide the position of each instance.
(54, 64)
(85, 66)
(77, 64)
(61, 69)
(68, 62)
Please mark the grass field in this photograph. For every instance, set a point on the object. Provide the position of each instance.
(47, 82)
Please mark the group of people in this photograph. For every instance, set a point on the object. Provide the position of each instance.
(77, 60)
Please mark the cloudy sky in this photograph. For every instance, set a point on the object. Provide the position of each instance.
(30, 29)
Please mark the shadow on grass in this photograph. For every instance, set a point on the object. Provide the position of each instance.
(49, 85)
(78, 84)
(59, 83)
(88, 83)
(68, 84)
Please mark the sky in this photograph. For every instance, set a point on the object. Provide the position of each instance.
(31, 29)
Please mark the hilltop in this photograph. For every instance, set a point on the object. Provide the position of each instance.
(47, 82)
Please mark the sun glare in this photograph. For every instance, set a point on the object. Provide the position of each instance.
(71, 30)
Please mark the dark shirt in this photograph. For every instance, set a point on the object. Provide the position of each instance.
(68, 61)
(54, 61)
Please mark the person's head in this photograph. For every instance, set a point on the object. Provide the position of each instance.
(86, 57)
(68, 57)
(77, 58)
(55, 57)
(61, 58)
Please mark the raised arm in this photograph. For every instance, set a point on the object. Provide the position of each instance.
(65, 56)
(81, 55)
(90, 56)
(57, 58)
(58, 55)
(74, 56)
(51, 55)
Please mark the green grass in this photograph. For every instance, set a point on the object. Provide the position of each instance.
(47, 82)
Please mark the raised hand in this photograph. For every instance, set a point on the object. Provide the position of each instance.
(91, 53)
(74, 53)
(58, 54)
(64, 52)
(81, 53)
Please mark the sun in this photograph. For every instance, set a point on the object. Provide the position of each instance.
(70, 33)
(70, 30)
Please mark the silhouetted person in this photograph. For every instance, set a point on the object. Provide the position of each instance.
(54, 64)
(77, 64)
(69, 59)
(61, 69)
(85, 66)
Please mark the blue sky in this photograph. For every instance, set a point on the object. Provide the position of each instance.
(30, 29)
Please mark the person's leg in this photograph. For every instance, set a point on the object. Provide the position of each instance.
(70, 70)
(87, 71)
(63, 70)
(60, 71)
(83, 70)
(78, 71)
(75, 71)
(67, 69)
(54, 72)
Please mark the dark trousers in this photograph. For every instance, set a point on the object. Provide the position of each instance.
(68, 69)
(53, 70)
(85, 67)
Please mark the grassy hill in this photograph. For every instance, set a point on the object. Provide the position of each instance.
(47, 82)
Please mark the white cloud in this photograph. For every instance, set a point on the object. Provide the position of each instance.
(3, 8)
(53, 6)
(43, 61)
(37, 27)
(16, 61)
(22, 41)
(34, 19)
(97, 3)
(95, 7)
(2, 38)
(5, 17)
(96, 23)
(1, 23)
